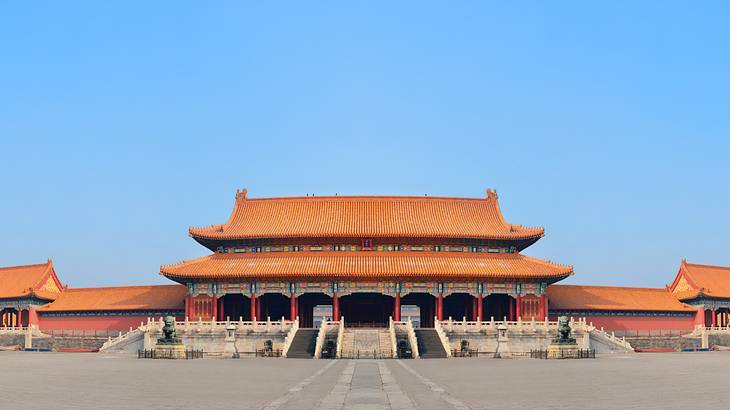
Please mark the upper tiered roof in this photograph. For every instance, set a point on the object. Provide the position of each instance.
(38, 280)
(375, 217)
(694, 280)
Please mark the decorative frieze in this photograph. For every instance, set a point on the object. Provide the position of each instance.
(384, 287)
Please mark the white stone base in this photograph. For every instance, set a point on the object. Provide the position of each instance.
(170, 351)
(555, 351)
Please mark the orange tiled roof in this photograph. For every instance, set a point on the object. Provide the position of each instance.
(162, 297)
(366, 266)
(27, 280)
(708, 280)
(577, 297)
(366, 217)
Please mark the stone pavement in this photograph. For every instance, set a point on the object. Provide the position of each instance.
(98, 381)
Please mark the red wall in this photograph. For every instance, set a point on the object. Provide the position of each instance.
(639, 322)
(93, 322)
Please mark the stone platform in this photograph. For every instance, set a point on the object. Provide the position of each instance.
(565, 351)
(170, 351)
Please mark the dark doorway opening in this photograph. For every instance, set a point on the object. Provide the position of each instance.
(236, 306)
(499, 306)
(366, 309)
(306, 303)
(458, 306)
(426, 304)
(274, 306)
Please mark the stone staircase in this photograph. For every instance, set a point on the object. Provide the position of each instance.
(363, 343)
(429, 344)
(302, 347)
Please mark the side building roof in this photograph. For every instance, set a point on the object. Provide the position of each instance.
(366, 266)
(366, 217)
(694, 280)
(37, 280)
(119, 298)
(579, 297)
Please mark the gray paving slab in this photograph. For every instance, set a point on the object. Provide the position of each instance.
(98, 381)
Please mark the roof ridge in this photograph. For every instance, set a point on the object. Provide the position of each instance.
(613, 287)
(25, 266)
(366, 197)
(707, 266)
(117, 287)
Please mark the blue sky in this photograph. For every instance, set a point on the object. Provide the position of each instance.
(123, 123)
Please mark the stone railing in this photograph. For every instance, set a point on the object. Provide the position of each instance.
(123, 338)
(442, 336)
(199, 327)
(393, 339)
(13, 329)
(322, 336)
(611, 337)
(290, 336)
(407, 327)
(520, 326)
(412, 340)
(544, 328)
(242, 327)
(340, 337)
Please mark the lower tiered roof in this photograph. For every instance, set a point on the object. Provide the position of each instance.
(119, 298)
(367, 266)
(615, 298)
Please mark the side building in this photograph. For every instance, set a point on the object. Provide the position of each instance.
(24, 289)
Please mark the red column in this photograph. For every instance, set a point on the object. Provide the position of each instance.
(714, 316)
(518, 306)
(215, 307)
(396, 308)
(253, 306)
(19, 318)
(335, 306)
(32, 317)
(480, 308)
(221, 309)
(292, 306)
(440, 306)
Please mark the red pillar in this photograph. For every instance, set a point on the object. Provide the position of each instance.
(714, 316)
(396, 308)
(19, 318)
(32, 317)
(335, 306)
(440, 306)
(215, 307)
(480, 308)
(221, 309)
(253, 306)
(292, 306)
(518, 306)
(544, 306)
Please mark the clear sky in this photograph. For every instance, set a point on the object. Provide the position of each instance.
(124, 123)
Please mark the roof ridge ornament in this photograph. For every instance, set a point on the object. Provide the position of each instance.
(491, 193)
(242, 194)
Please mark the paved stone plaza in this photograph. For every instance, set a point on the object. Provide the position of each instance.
(94, 381)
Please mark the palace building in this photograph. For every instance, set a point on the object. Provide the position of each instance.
(365, 257)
